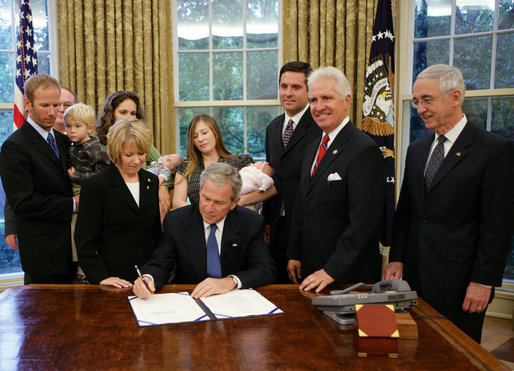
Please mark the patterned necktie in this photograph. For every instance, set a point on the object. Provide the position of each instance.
(435, 161)
(213, 255)
(321, 153)
(287, 133)
(51, 140)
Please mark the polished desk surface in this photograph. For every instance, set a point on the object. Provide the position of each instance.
(90, 327)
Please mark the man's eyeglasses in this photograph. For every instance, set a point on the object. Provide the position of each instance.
(426, 101)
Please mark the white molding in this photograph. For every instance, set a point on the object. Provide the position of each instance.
(485, 93)
(228, 103)
(502, 305)
(404, 83)
(11, 280)
(52, 37)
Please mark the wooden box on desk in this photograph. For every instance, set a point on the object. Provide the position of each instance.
(377, 332)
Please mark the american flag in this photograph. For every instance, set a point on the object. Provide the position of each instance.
(378, 107)
(26, 60)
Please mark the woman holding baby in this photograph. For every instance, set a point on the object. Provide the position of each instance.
(205, 146)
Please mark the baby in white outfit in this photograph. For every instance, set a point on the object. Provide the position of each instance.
(256, 177)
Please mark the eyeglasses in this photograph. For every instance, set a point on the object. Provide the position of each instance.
(426, 101)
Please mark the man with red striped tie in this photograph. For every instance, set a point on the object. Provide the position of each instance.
(338, 210)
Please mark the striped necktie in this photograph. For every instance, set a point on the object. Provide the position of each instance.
(321, 153)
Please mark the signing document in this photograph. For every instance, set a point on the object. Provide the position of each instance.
(180, 307)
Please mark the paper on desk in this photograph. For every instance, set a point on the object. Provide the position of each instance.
(240, 303)
(180, 307)
(166, 308)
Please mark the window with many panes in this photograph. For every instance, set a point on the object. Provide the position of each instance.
(9, 24)
(226, 65)
(475, 35)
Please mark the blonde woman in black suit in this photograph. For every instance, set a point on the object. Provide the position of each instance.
(118, 224)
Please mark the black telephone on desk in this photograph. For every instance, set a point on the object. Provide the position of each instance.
(340, 304)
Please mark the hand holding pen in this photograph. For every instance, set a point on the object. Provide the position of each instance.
(145, 288)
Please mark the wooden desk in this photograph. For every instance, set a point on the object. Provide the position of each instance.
(89, 327)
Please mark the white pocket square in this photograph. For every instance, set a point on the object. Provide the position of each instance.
(333, 177)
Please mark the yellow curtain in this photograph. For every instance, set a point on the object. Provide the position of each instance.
(108, 45)
(331, 33)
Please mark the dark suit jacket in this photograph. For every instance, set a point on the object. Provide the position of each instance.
(243, 250)
(286, 162)
(112, 233)
(38, 189)
(460, 230)
(9, 219)
(336, 223)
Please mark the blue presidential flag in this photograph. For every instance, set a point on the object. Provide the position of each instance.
(378, 107)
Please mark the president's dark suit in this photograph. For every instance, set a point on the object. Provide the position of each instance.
(243, 250)
(113, 233)
(39, 191)
(460, 229)
(286, 163)
(336, 223)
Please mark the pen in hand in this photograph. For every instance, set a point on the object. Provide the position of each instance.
(142, 279)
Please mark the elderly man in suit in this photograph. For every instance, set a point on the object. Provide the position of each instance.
(215, 243)
(334, 235)
(286, 138)
(33, 165)
(453, 224)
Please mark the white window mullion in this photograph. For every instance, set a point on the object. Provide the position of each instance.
(52, 37)
(245, 80)
(245, 50)
(211, 55)
(452, 31)
(245, 118)
(489, 113)
(493, 49)
(15, 22)
(493, 65)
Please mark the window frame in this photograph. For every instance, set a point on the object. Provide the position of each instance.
(404, 72)
(212, 104)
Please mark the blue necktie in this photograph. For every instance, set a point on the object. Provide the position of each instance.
(50, 139)
(213, 255)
